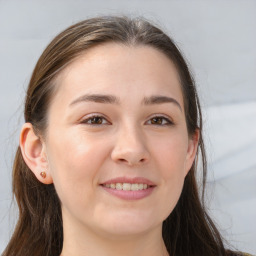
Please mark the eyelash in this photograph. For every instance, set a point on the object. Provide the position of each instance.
(85, 121)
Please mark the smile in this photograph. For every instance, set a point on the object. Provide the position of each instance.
(126, 186)
(129, 188)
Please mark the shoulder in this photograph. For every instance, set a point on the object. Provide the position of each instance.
(231, 253)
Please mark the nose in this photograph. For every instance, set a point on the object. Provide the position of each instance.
(130, 148)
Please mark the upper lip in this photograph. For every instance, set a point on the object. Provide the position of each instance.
(130, 180)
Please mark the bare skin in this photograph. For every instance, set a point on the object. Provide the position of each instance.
(91, 140)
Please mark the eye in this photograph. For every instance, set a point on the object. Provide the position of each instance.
(160, 120)
(95, 120)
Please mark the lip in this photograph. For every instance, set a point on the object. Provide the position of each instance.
(129, 194)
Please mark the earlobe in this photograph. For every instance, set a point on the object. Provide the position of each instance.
(33, 152)
(192, 150)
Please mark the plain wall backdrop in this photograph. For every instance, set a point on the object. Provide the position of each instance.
(218, 40)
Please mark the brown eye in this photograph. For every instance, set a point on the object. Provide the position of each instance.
(160, 120)
(95, 120)
(157, 120)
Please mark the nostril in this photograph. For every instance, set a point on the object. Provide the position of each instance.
(132, 162)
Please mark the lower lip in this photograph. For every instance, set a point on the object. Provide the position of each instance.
(129, 194)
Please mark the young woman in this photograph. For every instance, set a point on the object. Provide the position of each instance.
(108, 152)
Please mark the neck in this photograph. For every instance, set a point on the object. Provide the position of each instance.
(83, 242)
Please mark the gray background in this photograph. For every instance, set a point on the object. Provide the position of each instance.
(218, 39)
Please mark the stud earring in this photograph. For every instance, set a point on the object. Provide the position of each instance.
(43, 174)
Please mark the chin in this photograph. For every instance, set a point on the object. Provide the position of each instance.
(124, 232)
(128, 224)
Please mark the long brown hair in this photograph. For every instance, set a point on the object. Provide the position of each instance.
(188, 230)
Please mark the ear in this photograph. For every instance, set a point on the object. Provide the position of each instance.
(33, 152)
(192, 150)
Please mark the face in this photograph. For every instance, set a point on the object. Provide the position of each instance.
(117, 144)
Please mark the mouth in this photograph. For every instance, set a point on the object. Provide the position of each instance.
(129, 188)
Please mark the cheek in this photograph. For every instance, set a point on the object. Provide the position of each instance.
(74, 153)
(75, 162)
(171, 155)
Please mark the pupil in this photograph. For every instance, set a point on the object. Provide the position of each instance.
(157, 120)
(96, 120)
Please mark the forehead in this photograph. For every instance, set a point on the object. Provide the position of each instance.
(119, 69)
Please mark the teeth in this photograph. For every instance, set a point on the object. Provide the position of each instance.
(140, 186)
(119, 186)
(135, 187)
(127, 186)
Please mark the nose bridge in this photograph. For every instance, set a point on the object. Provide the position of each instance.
(129, 145)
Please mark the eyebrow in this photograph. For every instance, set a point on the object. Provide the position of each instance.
(111, 99)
